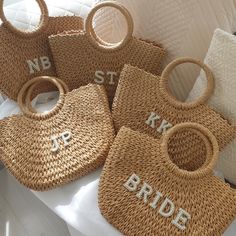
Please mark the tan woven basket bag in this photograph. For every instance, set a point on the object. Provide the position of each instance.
(143, 102)
(46, 150)
(82, 57)
(26, 54)
(143, 192)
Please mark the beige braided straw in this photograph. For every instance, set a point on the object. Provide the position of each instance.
(143, 103)
(142, 192)
(46, 150)
(26, 54)
(99, 61)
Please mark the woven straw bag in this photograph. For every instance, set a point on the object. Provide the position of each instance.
(46, 150)
(143, 192)
(82, 57)
(144, 103)
(24, 54)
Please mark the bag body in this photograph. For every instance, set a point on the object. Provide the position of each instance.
(143, 192)
(82, 57)
(46, 150)
(24, 54)
(144, 103)
(221, 59)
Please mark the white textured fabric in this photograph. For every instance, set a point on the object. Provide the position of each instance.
(221, 58)
(184, 28)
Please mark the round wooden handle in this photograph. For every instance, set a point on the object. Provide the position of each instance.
(212, 150)
(31, 89)
(165, 77)
(25, 92)
(42, 25)
(98, 42)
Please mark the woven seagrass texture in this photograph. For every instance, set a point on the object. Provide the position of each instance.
(17, 47)
(140, 95)
(209, 202)
(81, 57)
(26, 140)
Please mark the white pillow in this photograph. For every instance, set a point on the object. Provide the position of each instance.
(184, 28)
(221, 58)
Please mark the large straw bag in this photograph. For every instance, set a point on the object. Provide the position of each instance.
(82, 57)
(143, 192)
(144, 103)
(45, 150)
(25, 54)
(221, 59)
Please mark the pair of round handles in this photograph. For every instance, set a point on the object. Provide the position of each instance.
(25, 94)
(88, 24)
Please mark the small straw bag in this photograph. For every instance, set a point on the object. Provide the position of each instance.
(82, 57)
(144, 103)
(46, 150)
(143, 192)
(24, 54)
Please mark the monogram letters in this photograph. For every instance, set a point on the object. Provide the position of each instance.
(153, 118)
(100, 77)
(167, 208)
(38, 64)
(65, 137)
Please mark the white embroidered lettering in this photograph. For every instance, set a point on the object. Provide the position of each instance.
(99, 77)
(112, 74)
(182, 217)
(145, 191)
(46, 64)
(151, 121)
(34, 65)
(156, 200)
(55, 145)
(153, 118)
(164, 126)
(169, 205)
(65, 137)
(132, 183)
(167, 208)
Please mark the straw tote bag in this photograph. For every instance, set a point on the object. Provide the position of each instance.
(82, 57)
(144, 103)
(24, 54)
(221, 59)
(180, 26)
(46, 150)
(143, 192)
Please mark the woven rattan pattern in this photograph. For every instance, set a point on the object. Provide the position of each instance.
(26, 146)
(15, 50)
(210, 202)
